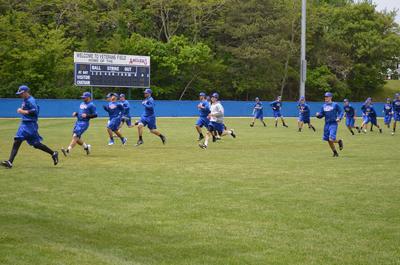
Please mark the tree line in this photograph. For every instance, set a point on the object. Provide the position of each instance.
(240, 48)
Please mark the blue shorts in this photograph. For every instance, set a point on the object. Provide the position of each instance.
(373, 121)
(80, 127)
(113, 124)
(388, 119)
(277, 114)
(396, 116)
(215, 126)
(149, 121)
(304, 119)
(127, 120)
(366, 119)
(350, 121)
(28, 131)
(202, 122)
(330, 131)
(259, 115)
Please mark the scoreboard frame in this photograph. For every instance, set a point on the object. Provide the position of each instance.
(110, 60)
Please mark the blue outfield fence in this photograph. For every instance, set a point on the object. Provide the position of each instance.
(164, 108)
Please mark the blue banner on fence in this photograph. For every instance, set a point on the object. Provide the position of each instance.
(164, 108)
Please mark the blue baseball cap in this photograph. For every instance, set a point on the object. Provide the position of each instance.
(148, 91)
(122, 96)
(202, 94)
(328, 94)
(215, 95)
(86, 95)
(22, 89)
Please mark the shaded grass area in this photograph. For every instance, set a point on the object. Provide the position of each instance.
(271, 196)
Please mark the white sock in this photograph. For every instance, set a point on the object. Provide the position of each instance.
(206, 142)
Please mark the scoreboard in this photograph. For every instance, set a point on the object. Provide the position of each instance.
(111, 70)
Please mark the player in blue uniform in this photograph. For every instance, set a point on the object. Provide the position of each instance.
(396, 111)
(28, 129)
(114, 110)
(333, 115)
(369, 116)
(126, 114)
(148, 118)
(304, 114)
(350, 114)
(258, 112)
(276, 109)
(87, 111)
(204, 110)
(388, 112)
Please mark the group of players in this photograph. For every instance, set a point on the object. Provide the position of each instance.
(333, 115)
(211, 116)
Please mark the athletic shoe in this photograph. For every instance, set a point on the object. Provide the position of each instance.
(201, 137)
(65, 151)
(163, 139)
(380, 130)
(233, 133)
(352, 133)
(139, 142)
(203, 146)
(358, 129)
(285, 126)
(88, 149)
(55, 158)
(123, 141)
(7, 164)
(340, 144)
(111, 142)
(251, 124)
(335, 154)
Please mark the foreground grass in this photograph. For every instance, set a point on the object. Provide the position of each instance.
(271, 196)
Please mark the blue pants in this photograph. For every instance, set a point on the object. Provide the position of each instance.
(388, 119)
(217, 127)
(304, 119)
(28, 131)
(277, 114)
(113, 124)
(79, 128)
(350, 121)
(373, 121)
(149, 121)
(202, 122)
(330, 131)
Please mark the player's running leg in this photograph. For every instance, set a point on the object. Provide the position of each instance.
(162, 137)
(283, 122)
(123, 139)
(9, 163)
(200, 132)
(300, 125)
(46, 149)
(140, 133)
(252, 122)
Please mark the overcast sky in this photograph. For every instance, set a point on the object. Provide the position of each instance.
(389, 5)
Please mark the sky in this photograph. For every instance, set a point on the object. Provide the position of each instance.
(389, 5)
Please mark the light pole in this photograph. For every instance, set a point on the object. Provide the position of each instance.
(303, 62)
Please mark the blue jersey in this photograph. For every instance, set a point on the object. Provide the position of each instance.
(148, 105)
(203, 112)
(349, 111)
(114, 109)
(387, 109)
(304, 110)
(86, 108)
(331, 112)
(396, 107)
(368, 110)
(258, 108)
(276, 105)
(127, 108)
(30, 105)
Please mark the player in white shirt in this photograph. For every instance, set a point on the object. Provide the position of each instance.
(216, 125)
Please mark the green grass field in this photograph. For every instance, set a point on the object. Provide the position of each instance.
(391, 87)
(271, 196)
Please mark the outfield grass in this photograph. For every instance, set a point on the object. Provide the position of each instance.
(271, 196)
(391, 87)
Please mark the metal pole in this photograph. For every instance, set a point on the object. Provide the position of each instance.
(303, 62)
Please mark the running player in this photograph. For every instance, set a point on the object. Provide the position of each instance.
(396, 111)
(350, 116)
(204, 110)
(370, 116)
(216, 125)
(333, 115)
(258, 113)
(148, 118)
(276, 109)
(114, 110)
(304, 115)
(87, 111)
(28, 129)
(388, 112)
(126, 115)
